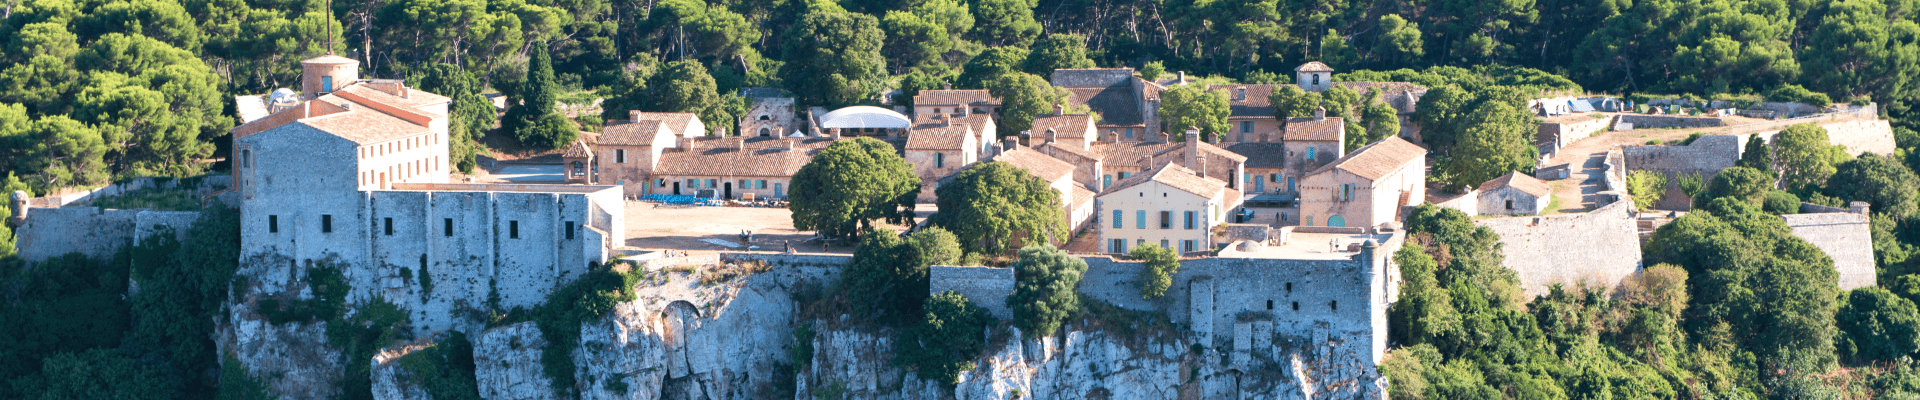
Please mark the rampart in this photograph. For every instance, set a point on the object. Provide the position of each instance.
(1599, 248)
(1641, 121)
(1562, 131)
(1845, 236)
(200, 186)
(95, 232)
(986, 287)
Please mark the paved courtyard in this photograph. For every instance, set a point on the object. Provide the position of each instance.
(653, 226)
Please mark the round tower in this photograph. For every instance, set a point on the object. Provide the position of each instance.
(323, 74)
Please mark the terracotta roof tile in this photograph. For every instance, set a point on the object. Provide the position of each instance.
(1378, 159)
(1046, 167)
(1313, 66)
(1071, 149)
(577, 150)
(975, 97)
(415, 99)
(1248, 100)
(1128, 153)
(364, 125)
(938, 137)
(1176, 176)
(762, 161)
(637, 133)
(1525, 183)
(1332, 129)
(1066, 126)
(1204, 146)
(678, 122)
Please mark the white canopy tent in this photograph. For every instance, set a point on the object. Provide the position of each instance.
(856, 117)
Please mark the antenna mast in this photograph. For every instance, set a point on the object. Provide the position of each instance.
(329, 23)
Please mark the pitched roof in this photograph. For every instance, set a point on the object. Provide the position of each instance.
(636, 133)
(1045, 167)
(1116, 104)
(1261, 154)
(1313, 66)
(678, 122)
(365, 125)
(1127, 153)
(1176, 176)
(1075, 150)
(1248, 100)
(1525, 183)
(938, 137)
(973, 97)
(1210, 149)
(1378, 159)
(414, 98)
(577, 150)
(728, 161)
(1066, 126)
(1332, 129)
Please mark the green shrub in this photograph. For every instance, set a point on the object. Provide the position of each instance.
(1646, 187)
(373, 326)
(583, 301)
(1157, 274)
(1043, 292)
(444, 369)
(1797, 94)
(1780, 202)
(160, 200)
(945, 342)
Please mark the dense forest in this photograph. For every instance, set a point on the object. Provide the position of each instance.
(98, 89)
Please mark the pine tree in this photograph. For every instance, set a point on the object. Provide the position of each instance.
(533, 120)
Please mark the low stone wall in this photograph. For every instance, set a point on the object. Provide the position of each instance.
(1563, 131)
(1598, 248)
(95, 232)
(986, 287)
(1669, 121)
(200, 185)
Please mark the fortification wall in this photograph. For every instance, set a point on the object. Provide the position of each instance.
(199, 185)
(985, 287)
(1669, 121)
(1599, 248)
(95, 232)
(1862, 136)
(1092, 77)
(1556, 134)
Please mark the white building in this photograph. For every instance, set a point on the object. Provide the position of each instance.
(1170, 206)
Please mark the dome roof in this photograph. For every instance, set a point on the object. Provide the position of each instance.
(865, 117)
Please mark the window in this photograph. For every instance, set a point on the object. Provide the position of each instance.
(693, 183)
(447, 226)
(1333, 305)
(1118, 246)
(1269, 304)
(939, 160)
(246, 158)
(620, 156)
(1166, 220)
(513, 229)
(1188, 220)
(326, 224)
(762, 184)
(1296, 306)
(1310, 153)
(569, 230)
(1105, 181)
(1140, 219)
(1246, 126)
(1163, 244)
(326, 83)
(1509, 204)
(711, 183)
(1316, 79)
(389, 223)
(764, 117)
(1309, 221)
(273, 224)
(1123, 174)
(746, 183)
(1116, 218)
(662, 182)
(1289, 287)
(1129, 133)
(1189, 246)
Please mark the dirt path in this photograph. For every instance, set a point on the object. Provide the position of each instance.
(1589, 171)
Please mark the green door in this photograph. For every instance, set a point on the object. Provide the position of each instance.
(1336, 221)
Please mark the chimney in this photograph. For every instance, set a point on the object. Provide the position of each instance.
(1193, 151)
(1164, 137)
(789, 143)
(1858, 207)
(836, 133)
(1052, 136)
(1059, 109)
(946, 85)
(1320, 113)
(1013, 143)
(946, 120)
(740, 142)
(962, 111)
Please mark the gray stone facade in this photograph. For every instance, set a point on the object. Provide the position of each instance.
(986, 287)
(96, 232)
(1598, 248)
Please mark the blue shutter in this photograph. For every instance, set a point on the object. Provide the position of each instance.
(1140, 219)
(1116, 218)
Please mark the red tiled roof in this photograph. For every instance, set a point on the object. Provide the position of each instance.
(1332, 129)
(1378, 159)
(977, 97)
(1527, 184)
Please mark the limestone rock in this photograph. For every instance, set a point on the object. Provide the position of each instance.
(507, 363)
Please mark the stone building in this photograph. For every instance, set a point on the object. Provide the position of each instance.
(577, 163)
(950, 101)
(1310, 142)
(1172, 206)
(354, 176)
(1846, 235)
(1313, 76)
(1514, 194)
(1076, 200)
(769, 113)
(939, 149)
(1367, 188)
(1252, 118)
(630, 150)
(734, 167)
(1129, 106)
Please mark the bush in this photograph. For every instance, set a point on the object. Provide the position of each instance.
(1797, 94)
(887, 278)
(945, 342)
(445, 369)
(584, 300)
(1780, 202)
(1876, 325)
(1646, 187)
(1161, 264)
(1043, 293)
(373, 326)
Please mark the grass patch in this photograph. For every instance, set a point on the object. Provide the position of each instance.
(160, 200)
(727, 273)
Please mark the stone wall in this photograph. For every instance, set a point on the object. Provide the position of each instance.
(1846, 237)
(95, 232)
(1598, 248)
(986, 287)
(1641, 121)
(200, 186)
(1563, 131)
(1092, 77)
(1507, 200)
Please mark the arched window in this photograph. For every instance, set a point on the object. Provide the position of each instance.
(765, 132)
(246, 158)
(1316, 79)
(1336, 221)
(764, 117)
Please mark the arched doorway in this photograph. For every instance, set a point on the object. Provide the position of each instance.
(765, 132)
(1336, 221)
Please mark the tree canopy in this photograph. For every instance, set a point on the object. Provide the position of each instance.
(848, 185)
(1045, 280)
(989, 204)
